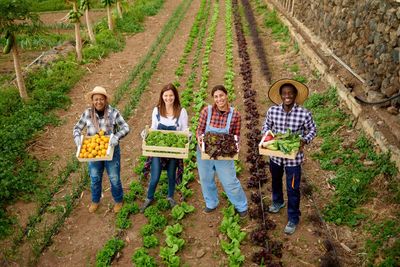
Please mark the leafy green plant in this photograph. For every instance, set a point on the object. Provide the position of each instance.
(150, 241)
(141, 258)
(379, 243)
(105, 256)
(352, 178)
(179, 211)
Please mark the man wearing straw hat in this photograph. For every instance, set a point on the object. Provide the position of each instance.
(288, 95)
(101, 117)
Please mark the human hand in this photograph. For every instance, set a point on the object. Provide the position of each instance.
(200, 140)
(77, 140)
(143, 134)
(114, 141)
(302, 143)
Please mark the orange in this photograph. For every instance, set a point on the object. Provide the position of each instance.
(101, 133)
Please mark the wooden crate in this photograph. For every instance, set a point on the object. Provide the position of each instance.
(205, 156)
(165, 151)
(108, 157)
(275, 153)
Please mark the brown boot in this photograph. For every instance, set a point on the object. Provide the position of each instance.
(118, 207)
(93, 207)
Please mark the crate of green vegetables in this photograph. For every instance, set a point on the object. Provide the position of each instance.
(166, 144)
(280, 145)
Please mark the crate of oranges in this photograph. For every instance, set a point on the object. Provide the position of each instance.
(95, 148)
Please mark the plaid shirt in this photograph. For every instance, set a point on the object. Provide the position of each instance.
(218, 120)
(298, 120)
(117, 124)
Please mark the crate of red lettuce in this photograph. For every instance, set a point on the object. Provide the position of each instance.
(220, 147)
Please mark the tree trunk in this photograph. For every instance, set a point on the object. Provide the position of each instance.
(78, 42)
(18, 73)
(78, 39)
(119, 9)
(110, 23)
(89, 27)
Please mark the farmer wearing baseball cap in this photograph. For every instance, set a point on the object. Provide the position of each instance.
(287, 114)
(103, 118)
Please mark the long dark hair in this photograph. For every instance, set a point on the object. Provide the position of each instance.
(177, 104)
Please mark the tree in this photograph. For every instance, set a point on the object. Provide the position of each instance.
(16, 18)
(119, 8)
(74, 17)
(108, 4)
(85, 6)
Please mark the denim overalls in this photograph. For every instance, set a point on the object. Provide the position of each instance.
(155, 169)
(225, 170)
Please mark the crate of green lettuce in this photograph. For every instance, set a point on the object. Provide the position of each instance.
(165, 144)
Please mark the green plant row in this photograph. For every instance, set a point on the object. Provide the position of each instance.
(45, 199)
(134, 99)
(156, 219)
(229, 73)
(186, 100)
(141, 256)
(231, 228)
(42, 242)
(280, 32)
(352, 177)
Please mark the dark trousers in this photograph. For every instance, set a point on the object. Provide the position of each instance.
(293, 176)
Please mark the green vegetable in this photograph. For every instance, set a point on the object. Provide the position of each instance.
(157, 138)
(9, 44)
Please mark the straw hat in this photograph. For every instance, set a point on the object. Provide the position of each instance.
(98, 90)
(302, 91)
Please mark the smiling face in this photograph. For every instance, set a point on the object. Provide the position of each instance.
(220, 99)
(168, 98)
(288, 95)
(99, 101)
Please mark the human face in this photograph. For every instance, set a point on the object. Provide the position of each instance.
(168, 98)
(288, 96)
(221, 100)
(99, 102)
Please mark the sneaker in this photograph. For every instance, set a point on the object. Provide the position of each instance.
(93, 207)
(290, 228)
(171, 201)
(208, 210)
(146, 203)
(117, 207)
(275, 207)
(242, 214)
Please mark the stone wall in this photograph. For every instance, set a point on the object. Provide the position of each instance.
(365, 34)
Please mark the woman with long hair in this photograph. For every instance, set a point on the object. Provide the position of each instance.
(167, 115)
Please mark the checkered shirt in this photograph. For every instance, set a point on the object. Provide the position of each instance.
(117, 124)
(218, 120)
(298, 120)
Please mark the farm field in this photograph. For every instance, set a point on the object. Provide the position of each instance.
(350, 189)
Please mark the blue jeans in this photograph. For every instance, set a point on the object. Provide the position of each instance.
(96, 169)
(225, 170)
(293, 177)
(155, 172)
